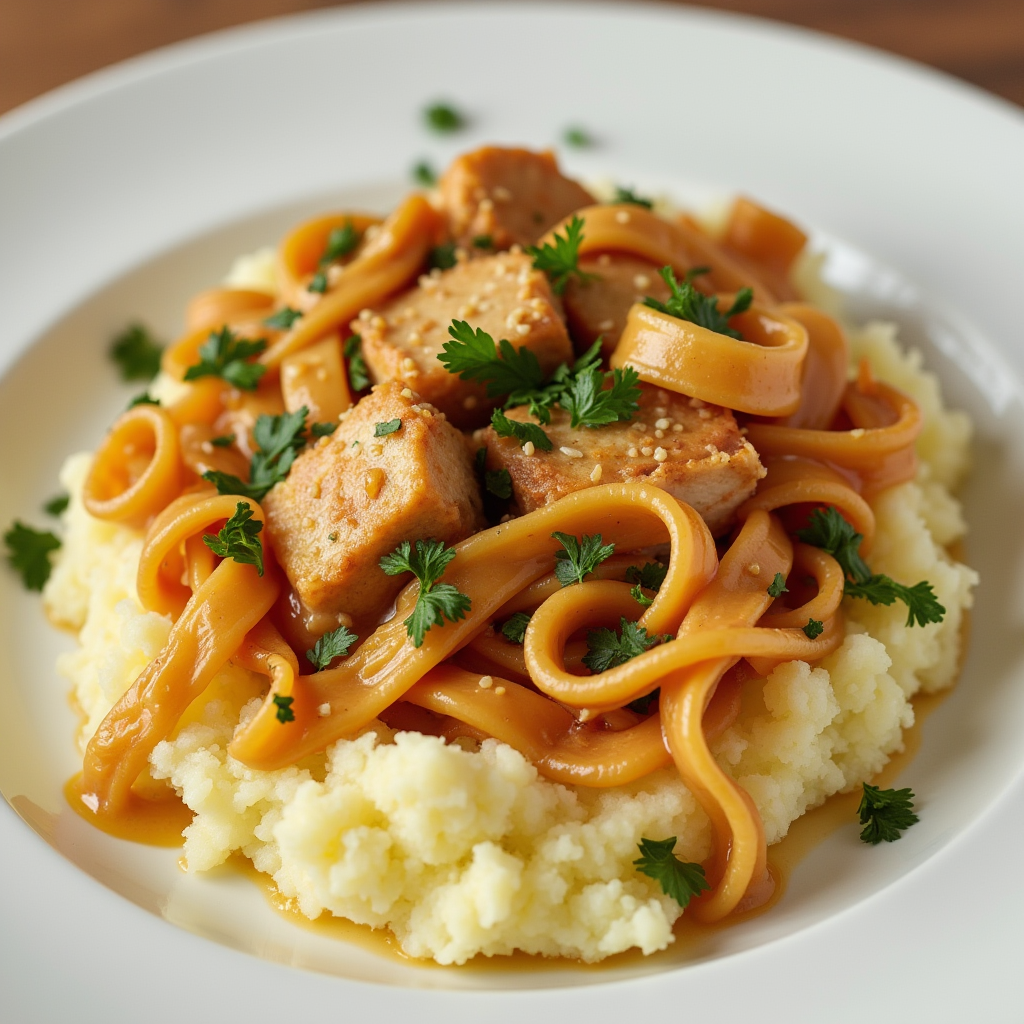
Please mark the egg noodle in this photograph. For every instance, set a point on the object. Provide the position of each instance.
(824, 440)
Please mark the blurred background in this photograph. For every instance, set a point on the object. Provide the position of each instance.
(44, 43)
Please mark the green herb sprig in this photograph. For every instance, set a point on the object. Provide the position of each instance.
(679, 879)
(435, 601)
(238, 538)
(335, 644)
(686, 303)
(560, 261)
(28, 552)
(227, 356)
(579, 556)
(886, 814)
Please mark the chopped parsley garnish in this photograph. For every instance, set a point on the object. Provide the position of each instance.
(278, 440)
(778, 587)
(284, 708)
(28, 551)
(238, 538)
(136, 353)
(522, 432)
(579, 557)
(813, 629)
(322, 429)
(627, 195)
(340, 242)
(358, 375)
(331, 645)
(516, 373)
(56, 504)
(922, 604)
(607, 648)
(828, 530)
(385, 428)
(144, 399)
(443, 117)
(442, 257)
(648, 577)
(499, 483)
(435, 601)
(590, 404)
(678, 879)
(686, 303)
(577, 137)
(225, 355)
(642, 705)
(885, 814)
(224, 441)
(283, 319)
(423, 174)
(483, 242)
(503, 369)
(561, 260)
(514, 629)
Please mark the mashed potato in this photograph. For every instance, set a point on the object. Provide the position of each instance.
(462, 850)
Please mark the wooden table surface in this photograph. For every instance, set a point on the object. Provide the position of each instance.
(44, 43)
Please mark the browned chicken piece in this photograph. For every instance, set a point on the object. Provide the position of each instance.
(501, 294)
(598, 307)
(509, 195)
(354, 497)
(683, 445)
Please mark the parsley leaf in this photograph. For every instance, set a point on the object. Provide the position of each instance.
(331, 645)
(649, 577)
(522, 432)
(284, 708)
(828, 530)
(579, 557)
(28, 551)
(442, 257)
(225, 355)
(499, 483)
(577, 137)
(686, 303)
(922, 604)
(607, 648)
(443, 117)
(590, 404)
(483, 242)
(560, 261)
(238, 538)
(435, 601)
(503, 369)
(389, 427)
(57, 504)
(136, 353)
(278, 440)
(322, 429)
(627, 195)
(778, 587)
(678, 879)
(813, 629)
(224, 441)
(514, 630)
(886, 814)
(340, 242)
(423, 174)
(358, 375)
(144, 399)
(283, 319)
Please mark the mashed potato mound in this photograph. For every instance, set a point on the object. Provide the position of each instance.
(462, 850)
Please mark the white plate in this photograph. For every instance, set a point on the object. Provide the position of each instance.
(123, 193)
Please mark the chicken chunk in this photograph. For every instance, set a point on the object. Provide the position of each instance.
(597, 307)
(509, 195)
(501, 294)
(683, 445)
(354, 497)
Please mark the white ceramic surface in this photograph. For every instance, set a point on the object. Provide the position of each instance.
(124, 193)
